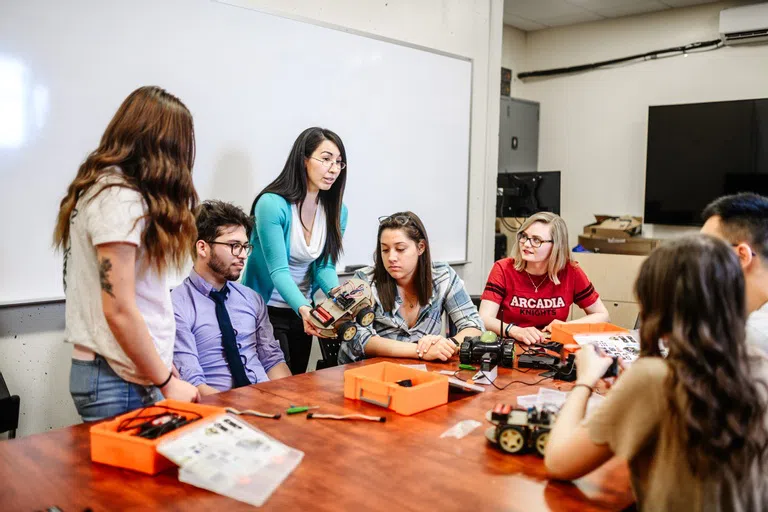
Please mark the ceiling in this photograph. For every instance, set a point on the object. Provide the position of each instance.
(531, 15)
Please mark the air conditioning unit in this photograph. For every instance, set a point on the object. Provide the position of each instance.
(744, 25)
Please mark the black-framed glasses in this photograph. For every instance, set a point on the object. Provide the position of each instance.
(329, 162)
(536, 242)
(236, 247)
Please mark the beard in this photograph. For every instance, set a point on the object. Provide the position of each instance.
(222, 269)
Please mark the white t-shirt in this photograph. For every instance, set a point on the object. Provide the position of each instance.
(112, 217)
(302, 254)
(757, 328)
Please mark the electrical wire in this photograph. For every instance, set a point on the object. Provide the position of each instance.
(697, 47)
(315, 415)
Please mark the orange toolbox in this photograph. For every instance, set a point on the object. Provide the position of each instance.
(563, 333)
(121, 449)
(378, 384)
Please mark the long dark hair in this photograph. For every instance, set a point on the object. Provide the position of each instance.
(691, 294)
(152, 139)
(410, 224)
(291, 184)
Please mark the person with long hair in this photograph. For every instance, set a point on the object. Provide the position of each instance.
(693, 426)
(300, 222)
(411, 293)
(126, 218)
(535, 287)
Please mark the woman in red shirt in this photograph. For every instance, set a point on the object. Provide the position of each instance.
(534, 289)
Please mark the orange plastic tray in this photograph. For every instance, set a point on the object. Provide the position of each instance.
(132, 452)
(377, 384)
(563, 333)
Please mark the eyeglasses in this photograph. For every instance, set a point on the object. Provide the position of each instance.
(535, 241)
(236, 247)
(395, 219)
(329, 162)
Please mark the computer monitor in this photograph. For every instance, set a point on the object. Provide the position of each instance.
(524, 193)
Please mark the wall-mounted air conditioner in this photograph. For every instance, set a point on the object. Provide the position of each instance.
(743, 25)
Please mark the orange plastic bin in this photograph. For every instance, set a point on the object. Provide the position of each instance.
(377, 384)
(563, 333)
(108, 446)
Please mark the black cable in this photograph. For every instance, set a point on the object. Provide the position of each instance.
(455, 374)
(714, 44)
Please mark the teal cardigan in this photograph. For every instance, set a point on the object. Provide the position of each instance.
(267, 266)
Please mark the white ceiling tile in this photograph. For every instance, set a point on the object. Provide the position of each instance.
(537, 10)
(630, 9)
(595, 5)
(522, 23)
(570, 19)
(686, 3)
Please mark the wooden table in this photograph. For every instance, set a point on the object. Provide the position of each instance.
(402, 464)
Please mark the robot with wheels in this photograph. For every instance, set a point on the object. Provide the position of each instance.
(518, 430)
(346, 306)
(488, 350)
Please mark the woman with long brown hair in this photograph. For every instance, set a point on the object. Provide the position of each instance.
(410, 295)
(694, 425)
(126, 218)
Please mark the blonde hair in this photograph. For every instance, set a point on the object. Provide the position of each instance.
(560, 255)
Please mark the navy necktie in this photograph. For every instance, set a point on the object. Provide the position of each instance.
(228, 339)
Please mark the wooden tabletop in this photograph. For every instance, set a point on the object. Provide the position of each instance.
(402, 464)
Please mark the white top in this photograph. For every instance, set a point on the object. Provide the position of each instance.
(112, 217)
(301, 254)
(757, 328)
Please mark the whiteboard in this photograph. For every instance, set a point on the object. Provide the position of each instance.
(253, 81)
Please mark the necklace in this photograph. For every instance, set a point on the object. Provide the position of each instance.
(411, 304)
(536, 287)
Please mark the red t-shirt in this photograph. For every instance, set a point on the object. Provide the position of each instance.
(520, 303)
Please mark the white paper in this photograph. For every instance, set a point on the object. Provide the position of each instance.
(461, 429)
(228, 456)
(421, 367)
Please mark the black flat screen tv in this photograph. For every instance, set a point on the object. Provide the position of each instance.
(701, 151)
(525, 193)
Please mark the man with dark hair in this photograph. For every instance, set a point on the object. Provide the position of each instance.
(223, 335)
(742, 220)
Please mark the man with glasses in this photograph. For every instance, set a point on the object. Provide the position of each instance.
(742, 221)
(223, 335)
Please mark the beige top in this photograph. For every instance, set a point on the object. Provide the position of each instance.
(631, 422)
(112, 217)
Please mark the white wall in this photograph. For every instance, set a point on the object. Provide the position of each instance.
(33, 358)
(593, 125)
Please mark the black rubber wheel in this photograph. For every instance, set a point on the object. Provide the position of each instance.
(347, 331)
(465, 353)
(511, 439)
(508, 355)
(540, 441)
(365, 316)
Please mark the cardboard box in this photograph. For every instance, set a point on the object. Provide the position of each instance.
(635, 245)
(608, 226)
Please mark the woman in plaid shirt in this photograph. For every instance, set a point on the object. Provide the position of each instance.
(411, 293)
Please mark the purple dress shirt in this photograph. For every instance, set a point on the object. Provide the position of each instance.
(198, 353)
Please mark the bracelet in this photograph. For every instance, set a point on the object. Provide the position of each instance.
(166, 381)
(506, 330)
(454, 341)
(590, 388)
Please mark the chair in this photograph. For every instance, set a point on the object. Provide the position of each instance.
(9, 410)
(329, 348)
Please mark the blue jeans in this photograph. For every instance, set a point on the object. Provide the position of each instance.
(98, 392)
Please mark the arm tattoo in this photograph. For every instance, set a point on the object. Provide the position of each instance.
(105, 266)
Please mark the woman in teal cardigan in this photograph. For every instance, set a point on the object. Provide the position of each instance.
(300, 221)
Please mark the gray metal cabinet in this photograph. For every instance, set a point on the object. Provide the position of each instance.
(518, 136)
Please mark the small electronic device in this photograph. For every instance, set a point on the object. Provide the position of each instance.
(346, 306)
(488, 350)
(567, 371)
(161, 425)
(537, 361)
